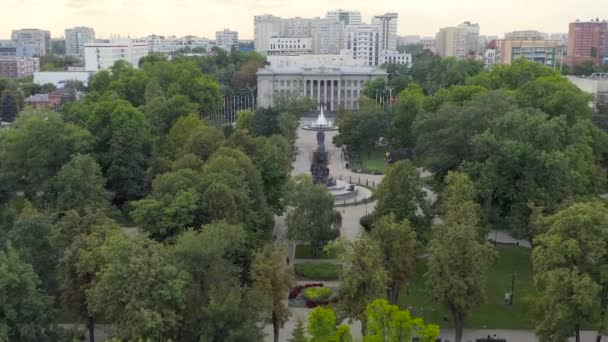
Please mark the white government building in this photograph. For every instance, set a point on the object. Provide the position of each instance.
(331, 80)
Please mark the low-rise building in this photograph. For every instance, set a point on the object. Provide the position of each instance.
(60, 78)
(102, 54)
(395, 57)
(429, 43)
(345, 58)
(539, 51)
(18, 67)
(280, 46)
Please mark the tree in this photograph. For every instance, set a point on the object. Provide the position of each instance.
(128, 153)
(79, 185)
(409, 105)
(458, 262)
(299, 333)
(25, 311)
(444, 137)
(218, 306)
(363, 276)
(386, 322)
(273, 160)
(273, 278)
(310, 215)
(528, 158)
(569, 263)
(9, 108)
(37, 146)
(79, 237)
(322, 327)
(138, 288)
(400, 193)
(265, 122)
(397, 243)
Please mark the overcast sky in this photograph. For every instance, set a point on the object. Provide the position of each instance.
(204, 17)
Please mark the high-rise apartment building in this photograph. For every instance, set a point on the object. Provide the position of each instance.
(227, 39)
(587, 40)
(388, 30)
(364, 42)
(451, 42)
(37, 41)
(429, 43)
(265, 27)
(327, 36)
(75, 38)
(471, 37)
(346, 17)
(102, 54)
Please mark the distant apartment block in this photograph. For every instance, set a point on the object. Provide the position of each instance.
(451, 42)
(471, 37)
(535, 50)
(408, 40)
(75, 38)
(364, 43)
(388, 30)
(167, 45)
(102, 54)
(346, 17)
(32, 42)
(227, 40)
(429, 43)
(290, 46)
(18, 67)
(587, 40)
(265, 27)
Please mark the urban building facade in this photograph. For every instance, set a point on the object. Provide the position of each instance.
(310, 61)
(32, 42)
(364, 43)
(227, 40)
(18, 67)
(587, 40)
(451, 42)
(388, 30)
(526, 35)
(471, 37)
(102, 55)
(290, 46)
(265, 27)
(429, 43)
(330, 87)
(395, 57)
(539, 51)
(75, 38)
(346, 17)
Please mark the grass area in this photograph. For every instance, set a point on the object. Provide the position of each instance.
(318, 271)
(306, 252)
(494, 313)
(373, 160)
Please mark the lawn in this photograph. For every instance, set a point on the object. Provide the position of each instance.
(373, 160)
(494, 313)
(318, 271)
(305, 252)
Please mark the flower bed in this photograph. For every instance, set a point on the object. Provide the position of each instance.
(296, 290)
(317, 293)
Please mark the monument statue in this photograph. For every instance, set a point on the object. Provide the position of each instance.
(318, 168)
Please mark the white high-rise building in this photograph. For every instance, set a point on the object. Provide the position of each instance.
(327, 36)
(227, 39)
(37, 41)
(102, 54)
(265, 27)
(388, 30)
(75, 38)
(364, 42)
(471, 37)
(346, 17)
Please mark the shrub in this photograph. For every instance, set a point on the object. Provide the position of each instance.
(318, 271)
(317, 293)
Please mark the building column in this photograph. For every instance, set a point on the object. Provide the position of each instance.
(318, 92)
(331, 97)
(339, 90)
(311, 92)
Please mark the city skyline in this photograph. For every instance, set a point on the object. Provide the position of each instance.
(140, 18)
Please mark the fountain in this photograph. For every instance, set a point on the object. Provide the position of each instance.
(321, 124)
